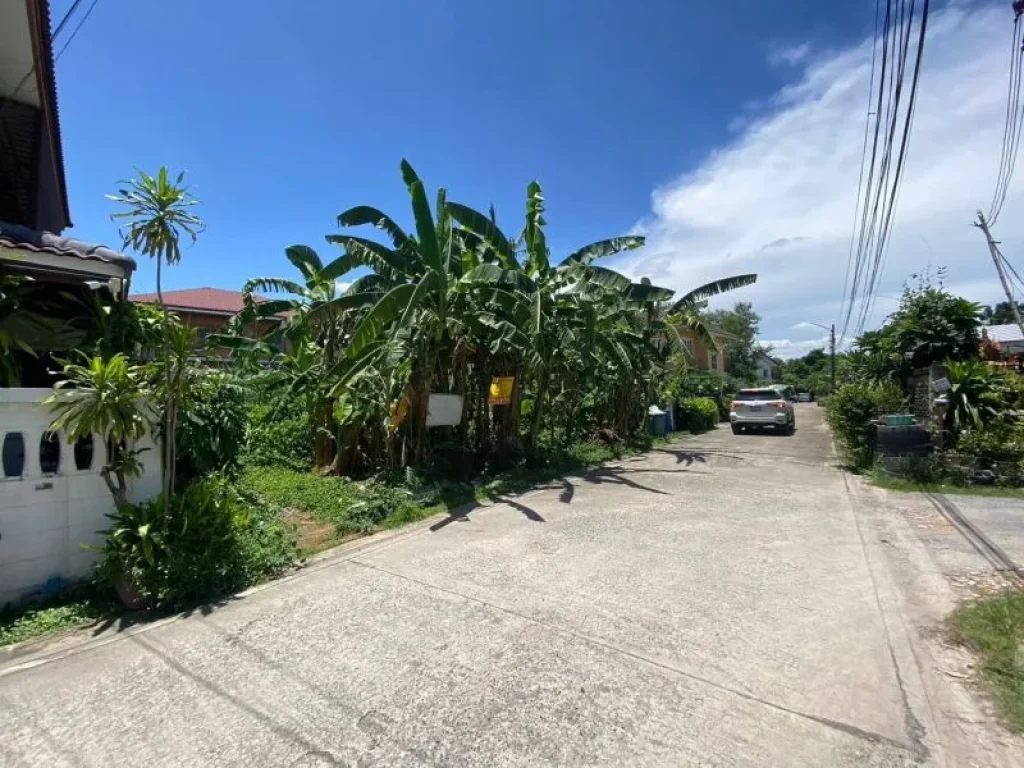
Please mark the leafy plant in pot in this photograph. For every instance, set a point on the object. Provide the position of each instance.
(136, 537)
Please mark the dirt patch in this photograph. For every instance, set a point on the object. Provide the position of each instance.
(314, 535)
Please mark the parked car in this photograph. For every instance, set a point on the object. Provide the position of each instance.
(759, 408)
(803, 397)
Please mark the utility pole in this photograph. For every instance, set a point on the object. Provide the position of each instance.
(997, 259)
(832, 344)
(832, 350)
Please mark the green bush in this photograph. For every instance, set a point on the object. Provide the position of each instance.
(850, 412)
(697, 414)
(995, 443)
(211, 430)
(278, 437)
(213, 540)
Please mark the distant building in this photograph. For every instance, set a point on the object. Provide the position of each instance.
(208, 310)
(702, 356)
(767, 369)
(1007, 338)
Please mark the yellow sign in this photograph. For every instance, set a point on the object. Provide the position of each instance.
(501, 390)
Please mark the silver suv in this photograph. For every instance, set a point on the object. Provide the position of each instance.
(761, 408)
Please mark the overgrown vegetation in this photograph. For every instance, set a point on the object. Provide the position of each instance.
(319, 426)
(974, 420)
(209, 540)
(66, 610)
(994, 628)
(851, 411)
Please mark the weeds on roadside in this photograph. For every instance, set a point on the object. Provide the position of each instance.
(994, 628)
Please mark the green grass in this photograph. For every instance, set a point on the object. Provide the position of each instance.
(910, 486)
(994, 628)
(66, 610)
(326, 499)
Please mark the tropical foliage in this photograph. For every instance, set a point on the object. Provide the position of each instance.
(448, 308)
(156, 213)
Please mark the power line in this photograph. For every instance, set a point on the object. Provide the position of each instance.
(53, 39)
(1012, 127)
(895, 107)
(75, 30)
(863, 152)
(883, 246)
(67, 15)
(858, 264)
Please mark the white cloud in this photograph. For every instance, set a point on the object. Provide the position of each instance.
(790, 55)
(341, 286)
(787, 349)
(778, 198)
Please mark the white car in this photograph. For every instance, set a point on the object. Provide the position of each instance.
(758, 408)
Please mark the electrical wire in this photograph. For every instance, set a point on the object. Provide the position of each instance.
(74, 32)
(1014, 122)
(884, 242)
(863, 151)
(858, 262)
(53, 38)
(64, 20)
(895, 107)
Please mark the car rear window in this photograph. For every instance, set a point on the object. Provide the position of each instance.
(758, 394)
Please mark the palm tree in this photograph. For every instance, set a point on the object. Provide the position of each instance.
(157, 213)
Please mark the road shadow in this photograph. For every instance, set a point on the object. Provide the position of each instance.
(685, 457)
(461, 514)
(566, 493)
(121, 621)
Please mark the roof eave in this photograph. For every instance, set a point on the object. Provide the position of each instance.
(46, 85)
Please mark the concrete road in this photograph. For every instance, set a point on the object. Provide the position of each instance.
(729, 601)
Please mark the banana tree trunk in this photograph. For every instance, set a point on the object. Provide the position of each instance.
(420, 408)
(348, 446)
(538, 410)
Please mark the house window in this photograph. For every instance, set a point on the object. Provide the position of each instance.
(714, 361)
(83, 453)
(14, 454)
(49, 453)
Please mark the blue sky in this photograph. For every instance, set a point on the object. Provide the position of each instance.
(284, 114)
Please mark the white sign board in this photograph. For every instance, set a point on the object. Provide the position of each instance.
(941, 385)
(444, 410)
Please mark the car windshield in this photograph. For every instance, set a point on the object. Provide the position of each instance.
(757, 394)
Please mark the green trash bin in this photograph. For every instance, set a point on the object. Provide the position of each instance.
(658, 421)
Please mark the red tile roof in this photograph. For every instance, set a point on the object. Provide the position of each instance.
(212, 300)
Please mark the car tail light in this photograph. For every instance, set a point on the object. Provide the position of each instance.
(735, 404)
(780, 404)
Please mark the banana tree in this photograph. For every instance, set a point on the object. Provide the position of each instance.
(418, 276)
(310, 314)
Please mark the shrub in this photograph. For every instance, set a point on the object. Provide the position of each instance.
(351, 507)
(213, 540)
(697, 414)
(211, 431)
(996, 443)
(278, 437)
(850, 412)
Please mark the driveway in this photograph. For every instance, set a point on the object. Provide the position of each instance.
(728, 601)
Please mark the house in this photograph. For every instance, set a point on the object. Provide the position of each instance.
(767, 369)
(702, 356)
(1007, 338)
(52, 497)
(208, 310)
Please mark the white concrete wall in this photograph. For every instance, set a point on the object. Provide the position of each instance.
(45, 518)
